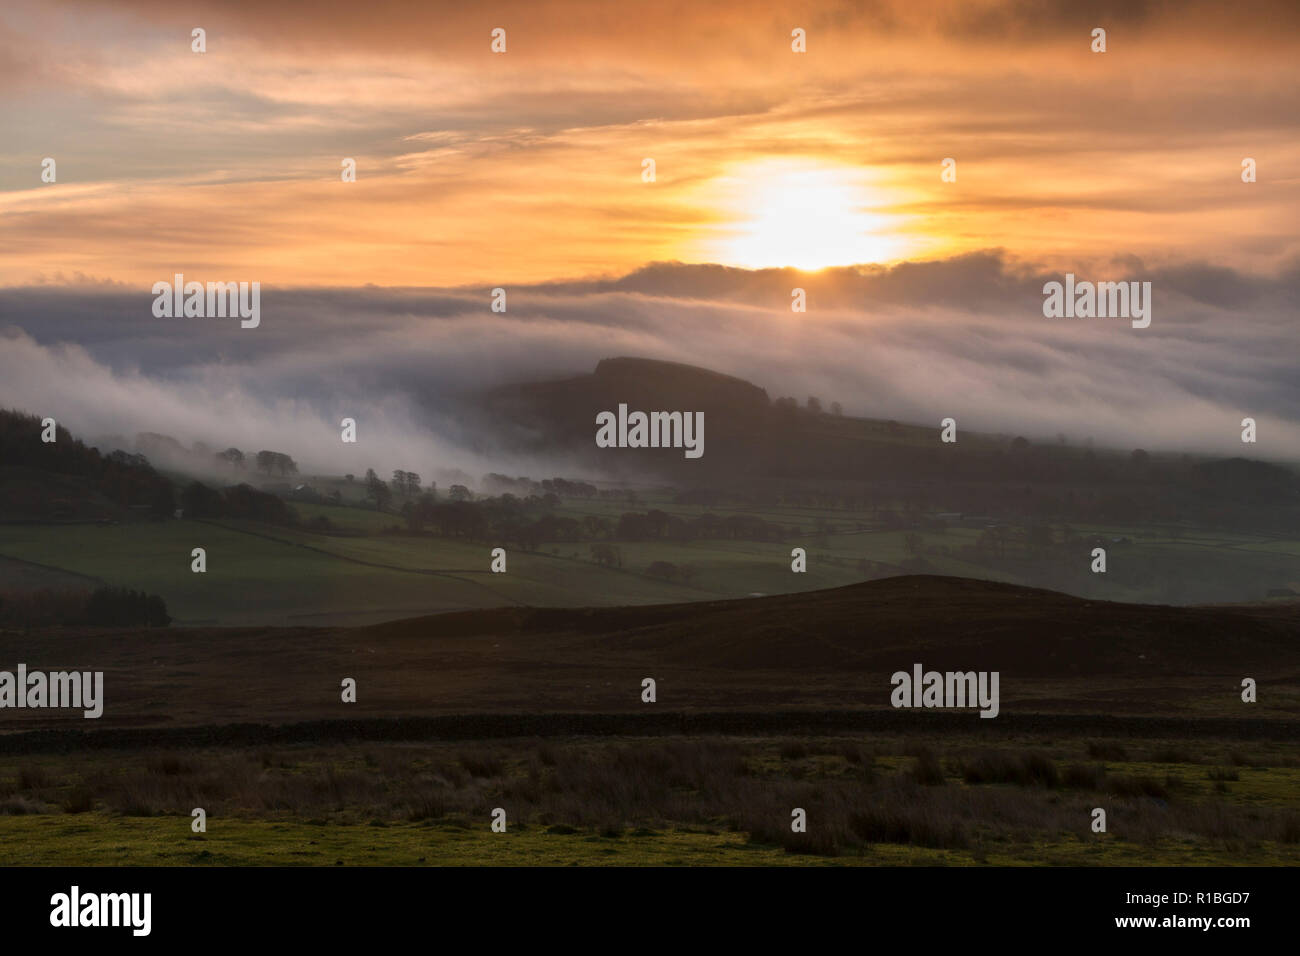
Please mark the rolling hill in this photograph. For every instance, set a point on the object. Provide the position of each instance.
(825, 651)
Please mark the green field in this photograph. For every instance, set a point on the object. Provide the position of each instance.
(270, 575)
(365, 571)
(100, 840)
(870, 800)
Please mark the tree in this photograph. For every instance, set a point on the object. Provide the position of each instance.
(406, 483)
(633, 526)
(124, 459)
(837, 409)
(658, 522)
(814, 405)
(232, 457)
(275, 462)
(200, 501)
(245, 501)
(376, 488)
(420, 512)
(120, 607)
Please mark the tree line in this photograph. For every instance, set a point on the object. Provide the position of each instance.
(266, 462)
(530, 522)
(239, 501)
(102, 607)
(126, 480)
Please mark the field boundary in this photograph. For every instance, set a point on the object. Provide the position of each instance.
(724, 723)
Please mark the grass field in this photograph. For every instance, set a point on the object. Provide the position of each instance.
(870, 800)
(769, 706)
(282, 575)
(262, 574)
(98, 840)
(363, 573)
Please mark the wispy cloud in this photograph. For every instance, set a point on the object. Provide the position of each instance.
(522, 167)
(963, 337)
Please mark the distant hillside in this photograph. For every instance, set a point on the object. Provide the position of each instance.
(746, 433)
(750, 438)
(63, 480)
(817, 651)
(943, 622)
(543, 415)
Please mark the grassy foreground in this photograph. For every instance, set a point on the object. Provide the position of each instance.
(869, 800)
(103, 840)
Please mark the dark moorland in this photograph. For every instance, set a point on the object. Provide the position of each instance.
(821, 651)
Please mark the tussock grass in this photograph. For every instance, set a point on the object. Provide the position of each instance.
(857, 794)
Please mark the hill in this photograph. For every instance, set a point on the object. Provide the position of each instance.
(944, 622)
(759, 446)
(541, 416)
(825, 650)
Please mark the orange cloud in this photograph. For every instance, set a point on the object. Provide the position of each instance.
(477, 168)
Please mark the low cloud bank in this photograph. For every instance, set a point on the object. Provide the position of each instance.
(963, 337)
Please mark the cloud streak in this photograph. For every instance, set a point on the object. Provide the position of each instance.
(526, 167)
(963, 337)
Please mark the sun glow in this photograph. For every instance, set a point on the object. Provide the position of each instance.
(804, 215)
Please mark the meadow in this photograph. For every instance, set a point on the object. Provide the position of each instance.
(869, 799)
(366, 568)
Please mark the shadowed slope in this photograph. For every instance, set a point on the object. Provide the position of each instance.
(823, 650)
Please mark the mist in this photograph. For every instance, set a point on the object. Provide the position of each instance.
(917, 342)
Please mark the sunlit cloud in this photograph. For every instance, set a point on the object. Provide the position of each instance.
(476, 168)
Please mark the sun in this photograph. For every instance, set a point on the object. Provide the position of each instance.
(805, 215)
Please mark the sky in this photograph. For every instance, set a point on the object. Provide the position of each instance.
(526, 170)
(476, 167)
